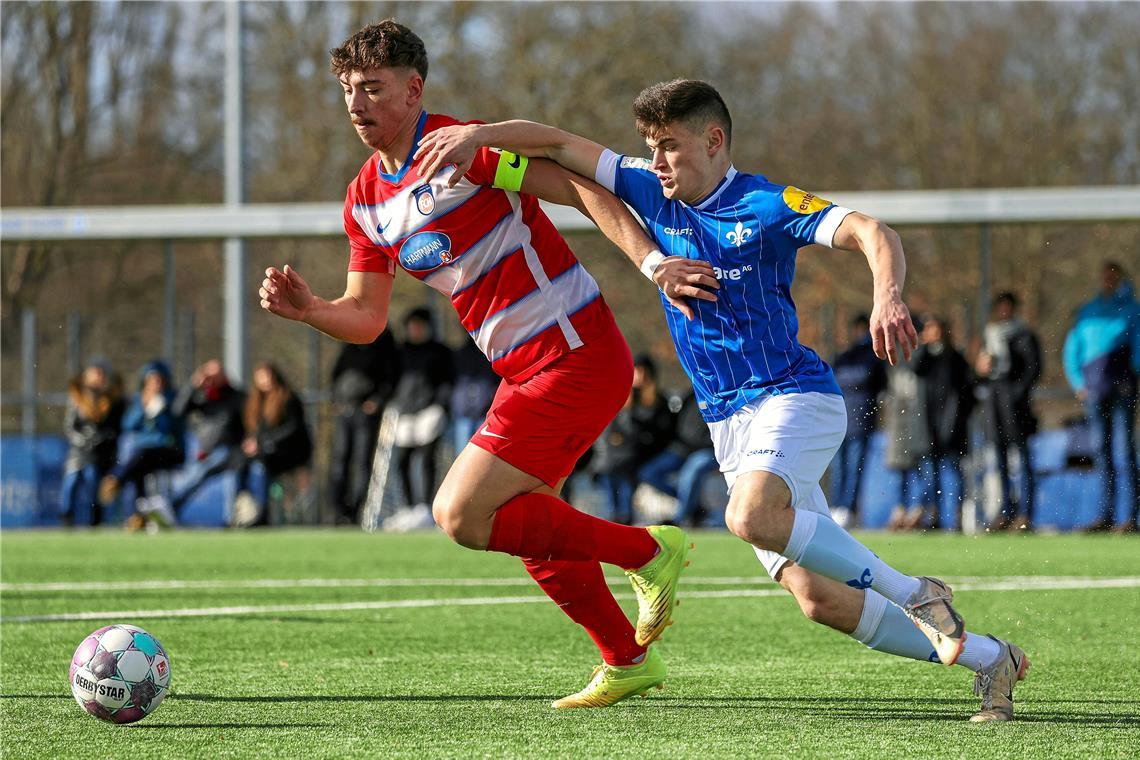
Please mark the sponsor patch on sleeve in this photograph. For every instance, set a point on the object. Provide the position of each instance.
(634, 162)
(803, 203)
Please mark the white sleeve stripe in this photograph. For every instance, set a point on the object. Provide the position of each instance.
(825, 232)
(606, 173)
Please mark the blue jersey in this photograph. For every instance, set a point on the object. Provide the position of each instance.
(744, 345)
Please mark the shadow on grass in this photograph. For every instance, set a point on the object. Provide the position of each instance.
(368, 698)
(902, 709)
(231, 725)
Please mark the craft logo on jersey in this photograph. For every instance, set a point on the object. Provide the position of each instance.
(425, 251)
(425, 201)
(803, 203)
(738, 235)
(635, 162)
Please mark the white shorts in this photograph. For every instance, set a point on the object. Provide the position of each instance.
(794, 436)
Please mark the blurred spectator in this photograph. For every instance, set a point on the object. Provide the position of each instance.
(862, 377)
(680, 469)
(277, 438)
(212, 409)
(421, 399)
(1102, 363)
(472, 394)
(363, 379)
(946, 388)
(1008, 368)
(91, 426)
(908, 440)
(152, 439)
(641, 431)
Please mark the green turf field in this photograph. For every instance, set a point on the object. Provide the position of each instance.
(468, 663)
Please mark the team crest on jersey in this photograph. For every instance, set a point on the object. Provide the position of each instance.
(635, 162)
(803, 203)
(425, 201)
(426, 251)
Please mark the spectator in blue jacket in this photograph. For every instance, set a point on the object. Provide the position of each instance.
(154, 437)
(862, 377)
(1102, 364)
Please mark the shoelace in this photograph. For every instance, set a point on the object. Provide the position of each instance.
(983, 687)
(924, 615)
(642, 594)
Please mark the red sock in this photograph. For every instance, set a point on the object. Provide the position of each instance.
(540, 526)
(580, 589)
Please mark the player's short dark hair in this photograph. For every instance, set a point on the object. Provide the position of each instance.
(1114, 266)
(691, 102)
(1007, 296)
(861, 319)
(387, 45)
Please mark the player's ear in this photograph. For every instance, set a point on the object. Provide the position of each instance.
(415, 87)
(714, 139)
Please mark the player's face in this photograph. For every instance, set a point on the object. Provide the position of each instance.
(382, 103)
(684, 161)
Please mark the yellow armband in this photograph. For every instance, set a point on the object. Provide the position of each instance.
(509, 174)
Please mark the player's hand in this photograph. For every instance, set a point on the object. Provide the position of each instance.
(680, 278)
(448, 145)
(892, 327)
(285, 293)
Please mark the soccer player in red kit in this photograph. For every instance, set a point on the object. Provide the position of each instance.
(540, 319)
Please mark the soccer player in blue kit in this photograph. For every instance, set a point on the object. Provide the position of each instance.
(728, 243)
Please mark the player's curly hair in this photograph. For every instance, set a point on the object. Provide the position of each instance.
(385, 45)
(692, 102)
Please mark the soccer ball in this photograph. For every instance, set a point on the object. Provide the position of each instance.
(120, 673)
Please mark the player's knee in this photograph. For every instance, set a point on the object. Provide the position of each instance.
(738, 523)
(752, 521)
(456, 523)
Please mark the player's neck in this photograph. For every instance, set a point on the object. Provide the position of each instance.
(397, 152)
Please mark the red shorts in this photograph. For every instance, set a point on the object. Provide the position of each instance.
(544, 424)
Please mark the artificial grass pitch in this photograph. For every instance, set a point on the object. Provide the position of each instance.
(339, 644)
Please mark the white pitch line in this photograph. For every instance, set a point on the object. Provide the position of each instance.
(991, 585)
(291, 583)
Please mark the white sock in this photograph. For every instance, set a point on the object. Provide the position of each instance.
(884, 628)
(820, 545)
(979, 652)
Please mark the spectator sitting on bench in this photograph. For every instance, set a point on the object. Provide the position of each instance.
(91, 425)
(212, 408)
(152, 439)
(277, 437)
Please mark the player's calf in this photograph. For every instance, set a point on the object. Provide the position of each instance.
(822, 600)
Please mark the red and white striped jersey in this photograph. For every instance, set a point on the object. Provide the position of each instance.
(516, 286)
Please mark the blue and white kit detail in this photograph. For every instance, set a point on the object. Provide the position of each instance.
(743, 346)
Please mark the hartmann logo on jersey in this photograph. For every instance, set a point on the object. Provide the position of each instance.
(425, 251)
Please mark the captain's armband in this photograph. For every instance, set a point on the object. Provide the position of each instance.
(509, 173)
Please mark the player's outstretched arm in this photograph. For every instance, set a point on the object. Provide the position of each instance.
(457, 145)
(891, 325)
(359, 316)
(677, 277)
